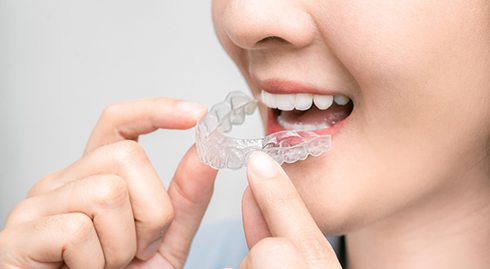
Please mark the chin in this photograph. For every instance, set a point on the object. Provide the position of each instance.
(323, 192)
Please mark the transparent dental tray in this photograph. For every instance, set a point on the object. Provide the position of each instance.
(218, 150)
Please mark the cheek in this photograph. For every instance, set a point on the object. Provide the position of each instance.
(351, 187)
(415, 64)
(385, 44)
(412, 121)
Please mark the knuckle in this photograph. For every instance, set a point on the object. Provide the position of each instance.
(21, 213)
(52, 175)
(111, 112)
(129, 151)
(44, 183)
(78, 226)
(111, 191)
(120, 258)
(16, 215)
(160, 219)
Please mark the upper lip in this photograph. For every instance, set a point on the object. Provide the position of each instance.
(284, 86)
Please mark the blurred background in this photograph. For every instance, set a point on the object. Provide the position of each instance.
(62, 62)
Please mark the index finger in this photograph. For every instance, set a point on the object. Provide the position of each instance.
(129, 120)
(285, 212)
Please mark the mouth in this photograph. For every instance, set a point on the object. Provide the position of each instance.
(305, 109)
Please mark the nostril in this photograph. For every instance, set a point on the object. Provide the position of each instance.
(271, 39)
(251, 23)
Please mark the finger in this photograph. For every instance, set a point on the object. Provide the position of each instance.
(190, 192)
(128, 120)
(285, 213)
(51, 241)
(274, 253)
(152, 209)
(104, 199)
(254, 224)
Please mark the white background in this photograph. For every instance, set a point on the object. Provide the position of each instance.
(63, 61)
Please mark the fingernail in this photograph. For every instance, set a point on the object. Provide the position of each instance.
(192, 107)
(262, 165)
(151, 250)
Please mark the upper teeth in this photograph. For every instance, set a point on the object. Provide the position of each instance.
(301, 101)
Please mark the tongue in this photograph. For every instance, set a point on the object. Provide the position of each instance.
(315, 116)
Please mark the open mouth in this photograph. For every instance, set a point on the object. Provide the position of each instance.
(323, 114)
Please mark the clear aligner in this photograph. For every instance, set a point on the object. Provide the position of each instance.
(220, 151)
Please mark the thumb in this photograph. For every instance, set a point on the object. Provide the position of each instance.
(274, 253)
(254, 223)
(285, 213)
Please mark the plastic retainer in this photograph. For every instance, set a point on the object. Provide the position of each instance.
(220, 151)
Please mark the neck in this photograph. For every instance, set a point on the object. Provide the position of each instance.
(450, 229)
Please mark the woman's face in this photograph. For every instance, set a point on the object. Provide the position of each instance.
(417, 75)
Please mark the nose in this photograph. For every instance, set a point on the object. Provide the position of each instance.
(254, 24)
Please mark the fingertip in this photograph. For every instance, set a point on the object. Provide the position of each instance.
(193, 160)
(196, 110)
(261, 165)
(176, 114)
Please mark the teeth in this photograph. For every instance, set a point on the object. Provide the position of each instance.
(300, 126)
(323, 101)
(284, 102)
(301, 101)
(268, 99)
(341, 100)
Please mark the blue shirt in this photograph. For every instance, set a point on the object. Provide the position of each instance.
(222, 244)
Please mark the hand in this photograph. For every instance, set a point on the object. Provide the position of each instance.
(109, 209)
(280, 231)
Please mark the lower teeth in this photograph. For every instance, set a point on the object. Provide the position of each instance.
(301, 126)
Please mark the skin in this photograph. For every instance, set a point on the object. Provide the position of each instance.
(407, 180)
(109, 209)
(408, 176)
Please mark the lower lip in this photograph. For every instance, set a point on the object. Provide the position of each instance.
(273, 126)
